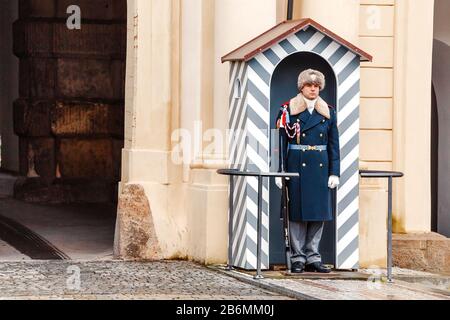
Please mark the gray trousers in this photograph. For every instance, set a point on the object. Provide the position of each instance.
(305, 241)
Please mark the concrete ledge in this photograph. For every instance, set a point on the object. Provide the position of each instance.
(426, 252)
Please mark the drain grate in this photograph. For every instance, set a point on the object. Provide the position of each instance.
(28, 242)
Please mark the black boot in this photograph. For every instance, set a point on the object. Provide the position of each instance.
(297, 267)
(317, 267)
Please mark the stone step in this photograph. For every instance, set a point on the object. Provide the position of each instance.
(422, 251)
(7, 182)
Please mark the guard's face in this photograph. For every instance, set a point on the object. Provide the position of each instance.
(311, 91)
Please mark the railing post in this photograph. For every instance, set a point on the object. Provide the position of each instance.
(258, 252)
(390, 175)
(233, 173)
(230, 225)
(389, 266)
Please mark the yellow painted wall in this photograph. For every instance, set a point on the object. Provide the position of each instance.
(175, 78)
(412, 114)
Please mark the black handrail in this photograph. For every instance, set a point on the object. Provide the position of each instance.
(380, 174)
(389, 175)
(236, 172)
(260, 175)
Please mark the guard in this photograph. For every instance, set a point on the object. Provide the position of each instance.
(310, 138)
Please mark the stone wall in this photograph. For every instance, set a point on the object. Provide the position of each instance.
(9, 73)
(70, 114)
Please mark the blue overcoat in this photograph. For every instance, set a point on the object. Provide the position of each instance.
(309, 195)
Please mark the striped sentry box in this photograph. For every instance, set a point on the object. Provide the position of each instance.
(249, 121)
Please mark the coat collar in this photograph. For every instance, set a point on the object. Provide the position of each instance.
(313, 120)
(298, 105)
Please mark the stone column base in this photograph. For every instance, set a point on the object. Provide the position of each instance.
(135, 232)
(425, 252)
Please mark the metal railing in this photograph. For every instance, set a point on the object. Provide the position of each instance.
(390, 175)
(232, 173)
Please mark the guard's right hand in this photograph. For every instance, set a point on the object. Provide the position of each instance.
(279, 182)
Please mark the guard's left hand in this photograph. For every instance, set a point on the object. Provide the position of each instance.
(333, 182)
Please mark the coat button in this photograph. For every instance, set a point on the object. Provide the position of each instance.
(323, 121)
(321, 135)
(304, 135)
(304, 165)
(321, 165)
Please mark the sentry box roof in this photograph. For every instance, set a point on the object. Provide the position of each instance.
(280, 32)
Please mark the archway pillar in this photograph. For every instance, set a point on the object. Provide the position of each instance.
(210, 29)
(156, 228)
(412, 115)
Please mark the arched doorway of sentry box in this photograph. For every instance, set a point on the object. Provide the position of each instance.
(282, 88)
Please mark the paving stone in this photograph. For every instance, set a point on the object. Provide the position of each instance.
(122, 280)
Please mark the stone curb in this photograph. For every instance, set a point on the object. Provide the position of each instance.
(263, 284)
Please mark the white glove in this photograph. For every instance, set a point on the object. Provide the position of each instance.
(279, 182)
(333, 182)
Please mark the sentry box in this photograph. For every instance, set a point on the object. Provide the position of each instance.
(263, 75)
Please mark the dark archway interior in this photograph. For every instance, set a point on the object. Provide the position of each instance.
(440, 135)
(283, 88)
(434, 161)
(70, 113)
(67, 116)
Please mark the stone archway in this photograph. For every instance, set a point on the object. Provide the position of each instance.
(68, 119)
(9, 73)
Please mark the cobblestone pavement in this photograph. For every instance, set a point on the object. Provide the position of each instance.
(111, 280)
(176, 280)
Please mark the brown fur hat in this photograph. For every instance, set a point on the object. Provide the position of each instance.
(311, 76)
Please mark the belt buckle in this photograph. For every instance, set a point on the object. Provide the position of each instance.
(312, 148)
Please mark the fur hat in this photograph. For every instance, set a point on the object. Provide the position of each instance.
(311, 76)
